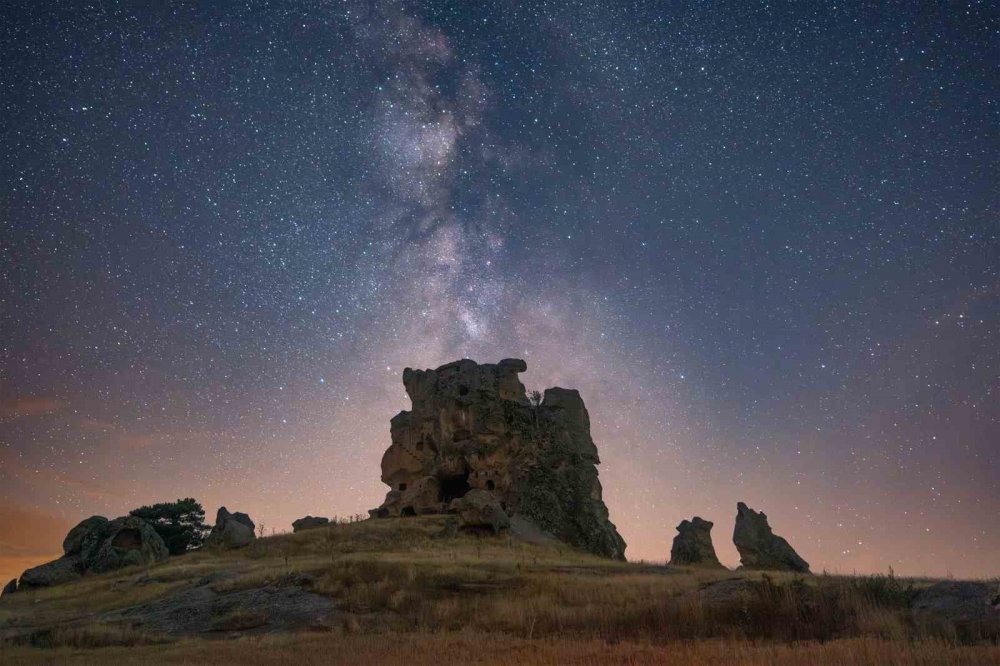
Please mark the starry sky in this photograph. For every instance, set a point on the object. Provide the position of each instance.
(761, 239)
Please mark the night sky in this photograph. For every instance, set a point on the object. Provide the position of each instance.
(761, 240)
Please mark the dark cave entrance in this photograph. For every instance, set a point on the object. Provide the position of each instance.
(127, 539)
(453, 487)
(407, 511)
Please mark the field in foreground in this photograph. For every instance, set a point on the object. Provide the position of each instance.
(397, 592)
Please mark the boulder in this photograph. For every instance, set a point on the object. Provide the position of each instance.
(693, 545)
(472, 426)
(97, 545)
(480, 511)
(65, 569)
(759, 547)
(309, 523)
(231, 530)
(960, 602)
(73, 543)
(9, 588)
(120, 543)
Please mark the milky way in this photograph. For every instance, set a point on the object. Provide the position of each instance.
(761, 241)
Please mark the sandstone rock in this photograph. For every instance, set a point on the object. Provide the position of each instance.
(960, 602)
(309, 523)
(759, 547)
(231, 530)
(693, 544)
(9, 588)
(97, 545)
(63, 570)
(479, 511)
(73, 543)
(471, 426)
(121, 542)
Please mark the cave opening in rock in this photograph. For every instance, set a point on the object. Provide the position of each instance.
(490, 485)
(407, 511)
(453, 487)
(127, 539)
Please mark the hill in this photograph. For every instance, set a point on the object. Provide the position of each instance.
(409, 591)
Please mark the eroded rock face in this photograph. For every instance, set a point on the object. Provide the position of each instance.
(120, 543)
(693, 545)
(759, 547)
(472, 427)
(97, 545)
(73, 543)
(56, 572)
(480, 511)
(231, 530)
(309, 523)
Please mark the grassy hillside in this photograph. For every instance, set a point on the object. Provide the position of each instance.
(395, 591)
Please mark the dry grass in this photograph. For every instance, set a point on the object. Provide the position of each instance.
(474, 649)
(405, 595)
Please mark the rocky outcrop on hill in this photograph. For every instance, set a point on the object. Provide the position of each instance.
(472, 427)
(693, 545)
(309, 523)
(9, 588)
(759, 547)
(231, 530)
(97, 545)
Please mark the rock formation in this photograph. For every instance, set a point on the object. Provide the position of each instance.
(480, 511)
(309, 523)
(693, 545)
(231, 530)
(97, 545)
(472, 427)
(961, 602)
(9, 588)
(759, 547)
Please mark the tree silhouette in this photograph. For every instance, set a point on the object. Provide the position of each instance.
(180, 524)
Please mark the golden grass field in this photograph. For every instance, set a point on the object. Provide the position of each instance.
(405, 596)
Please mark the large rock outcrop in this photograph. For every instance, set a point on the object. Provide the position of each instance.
(97, 545)
(472, 427)
(759, 547)
(692, 546)
(231, 530)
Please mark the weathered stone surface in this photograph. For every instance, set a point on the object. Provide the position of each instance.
(283, 606)
(9, 588)
(309, 523)
(73, 543)
(97, 545)
(960, 602)
(121, 542)
(759, 547)
(231, 530)
(480, 510)
(693, 545)
(471, 426)
(56, 572)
